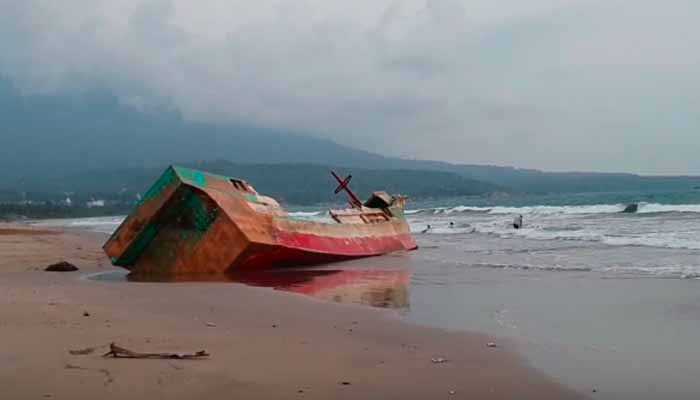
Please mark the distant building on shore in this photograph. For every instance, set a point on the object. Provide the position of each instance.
(95, 203)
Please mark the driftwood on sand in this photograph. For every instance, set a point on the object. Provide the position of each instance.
(120, 352)
(82, 352)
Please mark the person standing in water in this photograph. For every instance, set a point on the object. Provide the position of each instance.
(518, 222)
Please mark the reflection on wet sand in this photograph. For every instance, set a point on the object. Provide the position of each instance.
(385, 288)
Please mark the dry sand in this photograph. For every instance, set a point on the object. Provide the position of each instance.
(264, 344)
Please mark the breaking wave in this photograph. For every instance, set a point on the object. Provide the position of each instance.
(644, 208)
(306, 214)
(673, 271)
(96, 224)
(527, 267)
(688, 240)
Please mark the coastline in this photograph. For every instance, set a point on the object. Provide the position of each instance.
(264, 343)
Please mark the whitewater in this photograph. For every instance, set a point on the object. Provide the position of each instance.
(654, 225)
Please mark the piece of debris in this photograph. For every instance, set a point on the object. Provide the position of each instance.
(631, 208)
(86, 314)
(345, 383)
(62, 266)
(452, 392)
(439, 360)
(211, 324)
(274, 325)
(175, 366)
(82, 352)
(105, 372)
(491, 344)
(120, 352)
(595, 390)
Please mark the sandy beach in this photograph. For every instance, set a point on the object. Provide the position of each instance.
(264, 344)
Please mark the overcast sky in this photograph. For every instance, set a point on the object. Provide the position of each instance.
(606, 85)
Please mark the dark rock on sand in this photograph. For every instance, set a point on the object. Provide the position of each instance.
(631, 208)
(62, 266)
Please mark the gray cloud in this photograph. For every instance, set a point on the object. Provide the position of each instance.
(579, 84)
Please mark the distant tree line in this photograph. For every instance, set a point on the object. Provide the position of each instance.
(291, 184)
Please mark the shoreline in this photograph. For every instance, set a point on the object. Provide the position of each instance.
(264, 343)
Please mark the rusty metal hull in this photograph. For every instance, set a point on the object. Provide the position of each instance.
(196, 222)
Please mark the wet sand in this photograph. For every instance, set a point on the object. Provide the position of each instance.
(264, 344)
(626, 335)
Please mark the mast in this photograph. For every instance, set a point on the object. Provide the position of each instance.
(343, 186)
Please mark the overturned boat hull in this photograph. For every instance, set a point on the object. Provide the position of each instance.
(195, 222)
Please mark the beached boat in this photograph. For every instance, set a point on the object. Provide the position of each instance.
(196, 222)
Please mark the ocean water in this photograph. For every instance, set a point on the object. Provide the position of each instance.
(573, 232)
(576, 232)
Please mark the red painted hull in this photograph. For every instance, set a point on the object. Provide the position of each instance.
(306, 249)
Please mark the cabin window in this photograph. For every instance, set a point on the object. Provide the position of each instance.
(240, 185)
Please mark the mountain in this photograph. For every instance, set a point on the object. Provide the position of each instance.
(296, 184)
(58, 135)
(540, 182)
(54, 136)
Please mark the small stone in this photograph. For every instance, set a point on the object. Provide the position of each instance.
(439, 360)
(345, 383)
(210, 324)
(62, 266)
(595, 390)
(452, 392)
(300, 391)
(491, 344)
(274, 325)
(86, 314)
